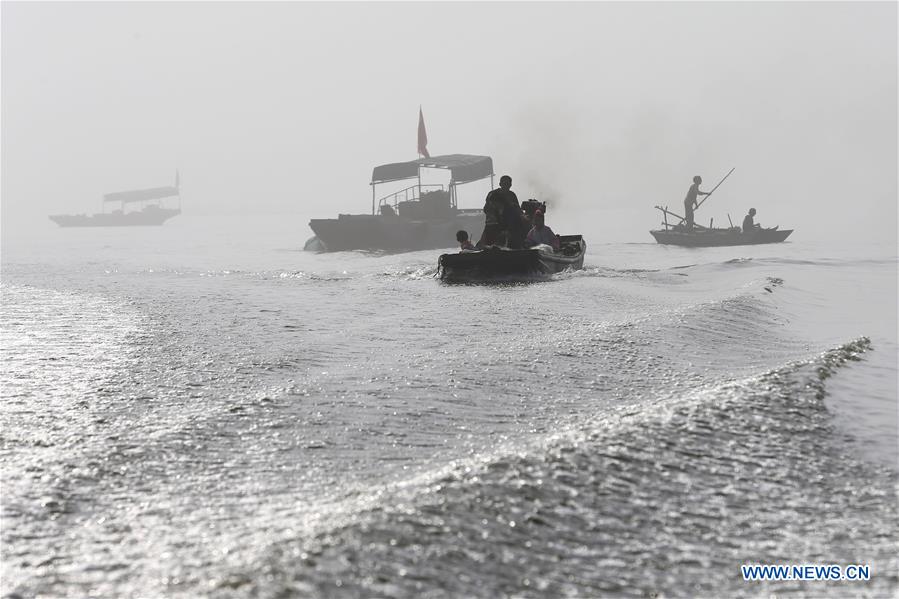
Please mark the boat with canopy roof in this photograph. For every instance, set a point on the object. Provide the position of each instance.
(417, 217)
(151, 211)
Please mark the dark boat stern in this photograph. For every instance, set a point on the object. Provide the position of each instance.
(502, 264)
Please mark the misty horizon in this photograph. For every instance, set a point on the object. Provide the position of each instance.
(603, 109)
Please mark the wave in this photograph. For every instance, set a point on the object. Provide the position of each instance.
(837, 262)
(607, 272)
(665, 499)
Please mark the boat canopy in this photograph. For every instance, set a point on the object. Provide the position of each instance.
(464, 168)
(141, 195)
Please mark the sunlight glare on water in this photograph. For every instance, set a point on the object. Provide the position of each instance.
(276, 422)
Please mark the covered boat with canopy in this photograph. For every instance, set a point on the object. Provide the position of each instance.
(151, 210)
(417, 216)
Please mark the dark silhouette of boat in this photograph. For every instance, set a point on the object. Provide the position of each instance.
(699, 236)
(705, 237)
(499, 263)
(418, 217)
(151, 211)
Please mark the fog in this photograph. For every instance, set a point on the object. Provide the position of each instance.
(603, 109)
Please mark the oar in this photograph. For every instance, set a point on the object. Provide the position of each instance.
(714, 188)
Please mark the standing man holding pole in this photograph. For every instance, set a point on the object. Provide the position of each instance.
(690, 200)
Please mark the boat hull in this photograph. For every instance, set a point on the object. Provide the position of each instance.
(497, 263)
(719, 237)
(393, 233)
(129, 219)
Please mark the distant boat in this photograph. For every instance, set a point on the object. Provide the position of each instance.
(151, 212)
(703, 237)
(418, 217)
(699, 236)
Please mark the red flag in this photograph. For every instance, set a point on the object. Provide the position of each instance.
(422, 135)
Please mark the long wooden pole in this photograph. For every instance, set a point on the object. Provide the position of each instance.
(666, 212)
(714, 188)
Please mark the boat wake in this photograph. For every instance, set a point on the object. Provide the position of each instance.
(354, 428)
(671, 497)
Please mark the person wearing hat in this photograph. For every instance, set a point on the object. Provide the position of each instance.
(690, 200)
(748, 224)
(540, 233)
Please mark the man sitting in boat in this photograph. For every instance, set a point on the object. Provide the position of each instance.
(464, 243)
(690, 200)
(541, 234)
(748, 225)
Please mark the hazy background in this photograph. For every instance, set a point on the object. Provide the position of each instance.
(604, 109)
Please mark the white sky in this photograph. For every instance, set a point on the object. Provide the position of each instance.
(604, 109)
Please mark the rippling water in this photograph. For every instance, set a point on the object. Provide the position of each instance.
(204, 410)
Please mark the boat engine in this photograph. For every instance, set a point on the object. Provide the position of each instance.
(531, 206)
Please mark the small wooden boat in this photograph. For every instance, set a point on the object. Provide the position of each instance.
(501, 263)
(703, 237)
(700, 236)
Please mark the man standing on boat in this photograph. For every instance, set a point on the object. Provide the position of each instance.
(498, 208)
(513, 221)
(690, 200)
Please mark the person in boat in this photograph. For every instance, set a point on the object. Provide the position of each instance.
(514, 223)
(690, 201)
(464, 243)
(494, 207)
(540, 233)
(748, 224)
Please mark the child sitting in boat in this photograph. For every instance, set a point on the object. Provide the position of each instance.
(541, 234)
(464, 243)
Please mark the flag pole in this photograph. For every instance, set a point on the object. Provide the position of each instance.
(421, 122)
